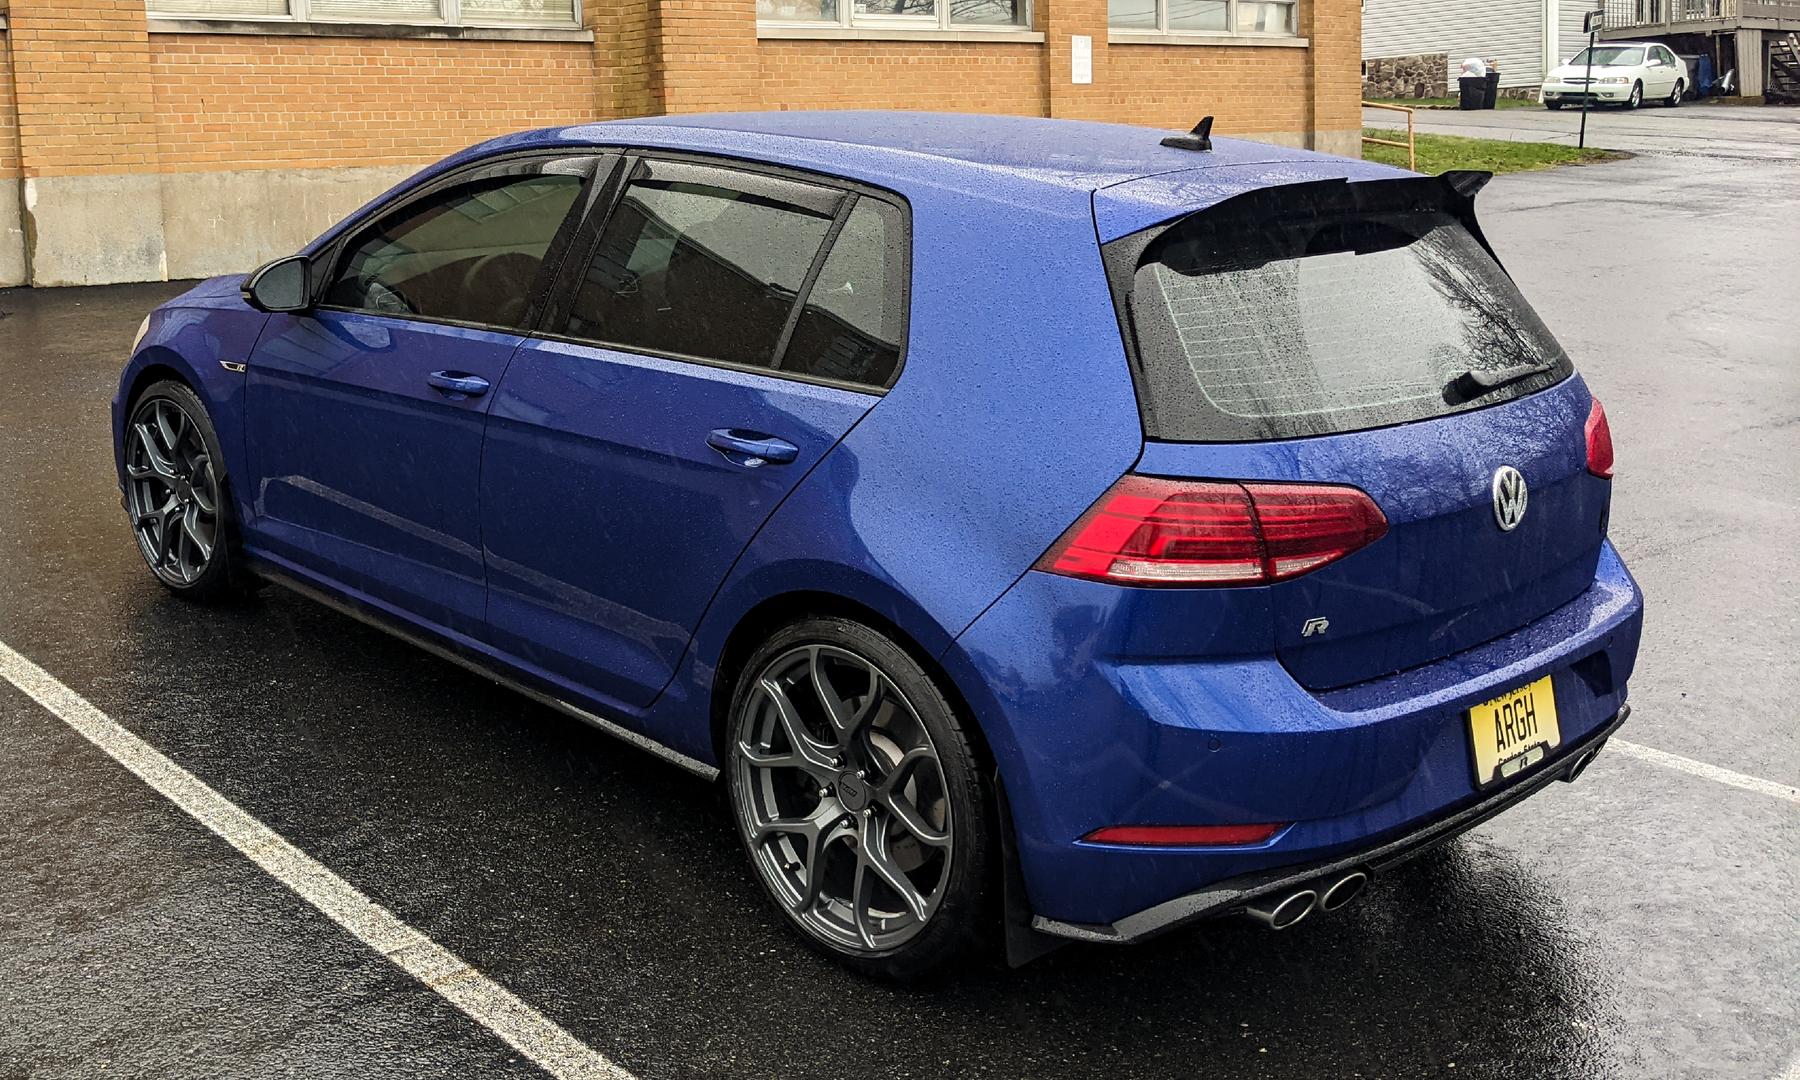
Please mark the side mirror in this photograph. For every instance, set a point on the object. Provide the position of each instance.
(283, 285)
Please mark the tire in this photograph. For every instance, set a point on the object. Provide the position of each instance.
(1637, 96)
(1553, 105)
(1674, 100)
(865, 817)
(176, 493)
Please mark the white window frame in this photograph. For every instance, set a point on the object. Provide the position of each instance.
(848, 22)
(300, 11)
(1161, 34)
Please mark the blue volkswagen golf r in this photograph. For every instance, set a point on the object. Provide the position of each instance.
(1044, 530)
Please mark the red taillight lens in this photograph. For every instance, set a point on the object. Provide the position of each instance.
(1183, 835)
(1150, 531)
(1599, 442)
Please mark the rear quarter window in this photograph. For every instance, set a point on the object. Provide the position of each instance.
(1323, 308)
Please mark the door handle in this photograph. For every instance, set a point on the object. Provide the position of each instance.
(752, 448)
(458, 385)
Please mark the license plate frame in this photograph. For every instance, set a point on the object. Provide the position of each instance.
(1513, 732)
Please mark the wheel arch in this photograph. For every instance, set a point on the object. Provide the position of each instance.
(782, 609)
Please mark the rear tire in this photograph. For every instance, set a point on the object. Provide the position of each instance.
(1674, 99)
(176, 492)
(860, 800)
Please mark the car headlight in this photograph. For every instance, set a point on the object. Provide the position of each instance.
(1615, 80)
(143, 328)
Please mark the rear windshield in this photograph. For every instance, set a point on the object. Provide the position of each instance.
(1320, 308)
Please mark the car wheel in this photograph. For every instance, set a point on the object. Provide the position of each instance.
(1637, 96)
(857, 794)
(1553, 105)
(175, 491)
(1674, 99)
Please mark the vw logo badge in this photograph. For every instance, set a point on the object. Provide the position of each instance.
(1509, 498)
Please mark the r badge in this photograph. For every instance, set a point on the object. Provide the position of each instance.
(1315, 626)
(1509, 498)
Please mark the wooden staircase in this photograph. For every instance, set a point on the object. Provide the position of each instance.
(1783, 86)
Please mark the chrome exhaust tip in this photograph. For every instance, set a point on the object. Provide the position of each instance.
(1279, 914)
(1344, 890)
(1580, 764)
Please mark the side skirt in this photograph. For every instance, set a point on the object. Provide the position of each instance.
(371, 616)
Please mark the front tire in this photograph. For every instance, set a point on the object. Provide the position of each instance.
(175, 492)
(1553, 105)
(858, 796)
(1637, 96)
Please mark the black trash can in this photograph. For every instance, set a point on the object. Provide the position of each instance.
(1474, 91)
(1490, 91)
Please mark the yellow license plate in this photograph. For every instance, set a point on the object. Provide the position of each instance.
(1513, 732)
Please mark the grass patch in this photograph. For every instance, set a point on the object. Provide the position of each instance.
(1441, 153)
(1452, 103)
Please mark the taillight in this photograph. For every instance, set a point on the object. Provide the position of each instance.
(1599, 442)
(1147, 530)
(1183, 835)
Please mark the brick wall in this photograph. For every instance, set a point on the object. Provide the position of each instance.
(937, 76)
(240, 102)
(140, 154)
(83, 87)
(9, 117)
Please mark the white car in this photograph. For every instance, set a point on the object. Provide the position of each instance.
(1624, 73)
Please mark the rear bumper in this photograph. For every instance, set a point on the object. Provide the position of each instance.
(1101, 711)
(1233, 894)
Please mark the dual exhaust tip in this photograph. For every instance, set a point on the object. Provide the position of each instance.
(1282, 910)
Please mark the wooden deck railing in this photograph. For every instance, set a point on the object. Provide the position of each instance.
(1412, 159)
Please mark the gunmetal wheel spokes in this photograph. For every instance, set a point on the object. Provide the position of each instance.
(172, 491)
(843, 798)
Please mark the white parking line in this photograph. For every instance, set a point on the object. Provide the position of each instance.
(1710, 772)
(486, 1002)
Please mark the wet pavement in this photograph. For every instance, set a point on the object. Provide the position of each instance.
(1642, 922)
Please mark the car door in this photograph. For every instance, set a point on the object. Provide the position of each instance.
(724, 329)
(365, 414)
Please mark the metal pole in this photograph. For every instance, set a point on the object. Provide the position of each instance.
(1589, 96)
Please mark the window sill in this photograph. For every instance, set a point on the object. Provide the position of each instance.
(784, 32)
(430, 31)
(1157, 37)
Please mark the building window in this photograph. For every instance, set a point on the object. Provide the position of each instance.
(1203, 16)
(453, 12)
(896, 14)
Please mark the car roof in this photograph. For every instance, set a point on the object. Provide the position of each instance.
(1022, 150)
(1052, 165)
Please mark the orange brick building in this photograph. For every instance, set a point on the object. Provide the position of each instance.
(185, 138)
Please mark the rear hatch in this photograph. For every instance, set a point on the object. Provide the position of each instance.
(1363, 334)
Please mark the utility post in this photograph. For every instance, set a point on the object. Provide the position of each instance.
(1590, 23)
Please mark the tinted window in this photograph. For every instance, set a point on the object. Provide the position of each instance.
(468, 254)
(701, 269)
(855, 317)
(1324, 308)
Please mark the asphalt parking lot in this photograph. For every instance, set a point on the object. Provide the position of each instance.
(1643, 922)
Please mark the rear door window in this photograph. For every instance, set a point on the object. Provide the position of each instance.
(1320, 308)
(703, 262)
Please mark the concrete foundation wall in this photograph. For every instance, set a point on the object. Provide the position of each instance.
(12, 235)
(95, 230)
(231, 222)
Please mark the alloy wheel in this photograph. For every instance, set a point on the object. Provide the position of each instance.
(1637, 96)
(172, 492)
(841, 797)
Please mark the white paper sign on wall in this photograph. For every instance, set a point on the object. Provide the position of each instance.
(1081, 59)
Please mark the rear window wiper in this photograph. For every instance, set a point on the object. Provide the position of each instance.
(1475, 382)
